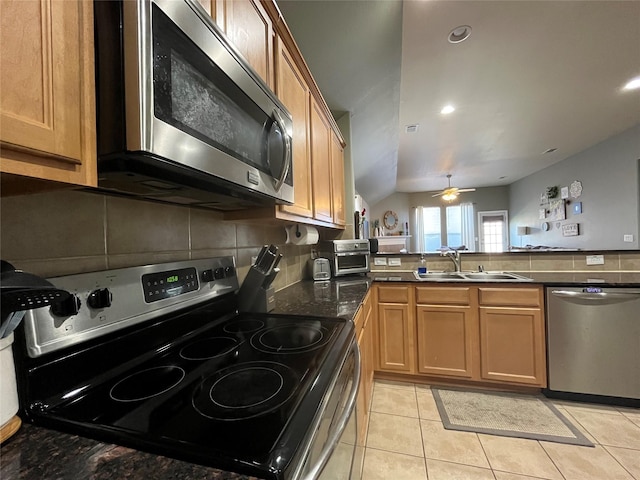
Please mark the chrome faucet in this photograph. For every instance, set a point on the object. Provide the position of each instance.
(454, 256)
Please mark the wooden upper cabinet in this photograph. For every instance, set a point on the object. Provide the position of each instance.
(337, 185)
(47, 100)
(293, 91)
(320, 162)
(250, 29)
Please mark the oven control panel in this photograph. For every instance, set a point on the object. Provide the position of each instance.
(158, 286)
(110, 300)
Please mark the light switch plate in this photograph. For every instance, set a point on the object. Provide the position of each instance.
(628, 238)
(395, 262)
(380, 261)
(595, 259)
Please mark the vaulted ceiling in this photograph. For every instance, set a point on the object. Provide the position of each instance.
(532, 76)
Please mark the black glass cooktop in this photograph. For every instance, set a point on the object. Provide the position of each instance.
(241, 391)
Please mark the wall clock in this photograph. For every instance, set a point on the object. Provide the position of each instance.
(390, 220)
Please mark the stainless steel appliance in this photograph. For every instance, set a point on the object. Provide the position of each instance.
(593, 336)
(182, 118)
(159, 359)
(320, 269)
(346, 256)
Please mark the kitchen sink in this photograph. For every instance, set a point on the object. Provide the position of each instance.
(495, 276)
(471, 277)
(439, 275)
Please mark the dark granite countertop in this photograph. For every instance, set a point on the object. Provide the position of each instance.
(335, 298)
(622, 279)
(38, 453)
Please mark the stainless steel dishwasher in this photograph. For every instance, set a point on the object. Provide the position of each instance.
(593, 339)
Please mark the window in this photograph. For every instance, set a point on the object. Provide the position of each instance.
(493, 231)
(432, 228)
(456, 230)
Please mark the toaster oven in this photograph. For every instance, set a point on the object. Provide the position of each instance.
(346, 256)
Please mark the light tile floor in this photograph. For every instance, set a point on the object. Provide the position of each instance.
(406, 441)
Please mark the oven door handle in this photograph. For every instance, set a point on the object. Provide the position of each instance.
(342, 423)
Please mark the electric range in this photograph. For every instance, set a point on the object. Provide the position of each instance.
(158, 358)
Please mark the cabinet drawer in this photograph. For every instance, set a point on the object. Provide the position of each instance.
(396, 294)
(511, 296)
(443, 295)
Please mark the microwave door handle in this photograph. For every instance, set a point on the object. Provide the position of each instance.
(277, 118)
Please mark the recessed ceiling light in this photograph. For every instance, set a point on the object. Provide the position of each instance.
(459, 34)
(632, 84)
(447, 109)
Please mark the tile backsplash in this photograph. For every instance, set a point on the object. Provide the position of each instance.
(66, 232)
(618, 261)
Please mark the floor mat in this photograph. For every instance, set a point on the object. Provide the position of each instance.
(506, 414)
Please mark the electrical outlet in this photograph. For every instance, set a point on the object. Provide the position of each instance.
(595, 259)
(395, 262)
(628, 238)
(379, 261)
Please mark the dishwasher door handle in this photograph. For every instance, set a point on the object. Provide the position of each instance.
(602, 297)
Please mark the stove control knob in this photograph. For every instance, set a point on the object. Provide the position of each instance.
(207, 276)
(219, 273)
(67, 307)
(100, 298)
(229, 272)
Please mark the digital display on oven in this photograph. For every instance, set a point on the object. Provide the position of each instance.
(158, 286)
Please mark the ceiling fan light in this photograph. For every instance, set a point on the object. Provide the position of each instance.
(447, 109)
(449, 196)
(632, 84)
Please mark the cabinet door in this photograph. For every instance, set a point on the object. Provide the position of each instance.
(320, 162)
(512, 345)
(250, 29)
(337, 184)
(447, 340)
(396, 348)
(293, 91)
(48, 91)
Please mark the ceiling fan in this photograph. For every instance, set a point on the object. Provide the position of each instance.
(451, 193)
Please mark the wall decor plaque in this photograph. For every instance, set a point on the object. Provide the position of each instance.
(570, 230)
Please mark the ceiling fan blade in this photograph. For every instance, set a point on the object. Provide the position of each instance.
(466, 190)
(438, 194)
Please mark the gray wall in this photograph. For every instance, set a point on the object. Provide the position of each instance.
(610, 196)
(484, 199)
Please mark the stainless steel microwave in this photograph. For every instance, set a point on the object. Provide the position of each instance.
(181, 116)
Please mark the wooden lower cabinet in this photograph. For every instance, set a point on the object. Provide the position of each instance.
(447, 342)
(512, 345)
(471, 333)
(396, 330)
(365, 342)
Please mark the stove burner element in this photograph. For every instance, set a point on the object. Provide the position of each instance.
(207, 348)
(244, 326)
(147, 383)
(294, 338)
(244, 391)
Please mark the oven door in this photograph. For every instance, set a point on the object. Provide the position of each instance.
(332, 452)
(191, 99)
(345, 263)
